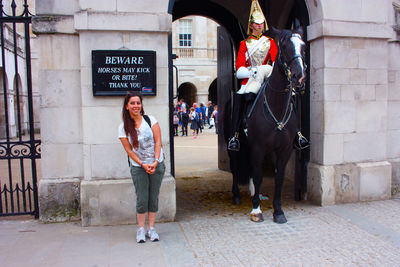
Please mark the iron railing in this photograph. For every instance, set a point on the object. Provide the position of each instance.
(18, 178)
(181, 52)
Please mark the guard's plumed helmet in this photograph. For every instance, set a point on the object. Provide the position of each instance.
(256, 15)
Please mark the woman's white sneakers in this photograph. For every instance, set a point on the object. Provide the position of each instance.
(141, 235)
(151, 234)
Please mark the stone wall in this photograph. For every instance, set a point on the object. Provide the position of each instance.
(393, 120)
(350, 102)
(81, 151)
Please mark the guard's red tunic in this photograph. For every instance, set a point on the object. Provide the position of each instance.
(241, 58)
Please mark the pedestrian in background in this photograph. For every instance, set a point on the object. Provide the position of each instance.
(203, 114)
(215, 117)
(198, 118)
(175, 121)
(140, 136)
(210, 109)
(183, 104)
(185, 121)
(194, 125)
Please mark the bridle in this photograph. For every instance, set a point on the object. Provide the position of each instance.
(285, 64)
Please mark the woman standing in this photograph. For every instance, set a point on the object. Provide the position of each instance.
(185, 121)
(193, 122)
(141, 137)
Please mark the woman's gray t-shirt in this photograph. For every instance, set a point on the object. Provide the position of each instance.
(145, 150)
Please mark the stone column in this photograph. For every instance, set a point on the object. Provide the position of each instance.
(60, 111)
(349, 102)
(85, 168)
(393, 122)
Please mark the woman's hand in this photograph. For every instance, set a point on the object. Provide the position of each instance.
(150, 168)
(153, 167)
(147, 167)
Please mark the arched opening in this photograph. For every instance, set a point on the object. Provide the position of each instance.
(20, 106)
(3, 104)
(188, 92)
(233, 19)
(213, 92)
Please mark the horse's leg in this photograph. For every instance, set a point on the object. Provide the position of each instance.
(256, 213)
(235, 189)
(282, 160)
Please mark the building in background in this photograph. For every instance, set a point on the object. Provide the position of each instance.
(194, 41)
(14, 106)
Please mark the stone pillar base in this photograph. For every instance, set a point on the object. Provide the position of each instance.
(59, 200)
(111, 202)
(395, 176)
(353, 182)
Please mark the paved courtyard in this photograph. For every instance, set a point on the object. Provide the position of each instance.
(210, 231)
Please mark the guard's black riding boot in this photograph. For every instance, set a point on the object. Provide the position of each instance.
(300, 142)
(234, 144)
(249, 99)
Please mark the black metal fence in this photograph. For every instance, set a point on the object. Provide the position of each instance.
(19, 148)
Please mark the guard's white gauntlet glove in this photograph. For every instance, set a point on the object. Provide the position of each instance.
(253, 72)
(245, 73)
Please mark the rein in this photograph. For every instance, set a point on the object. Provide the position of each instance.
(289, 107)
(280, 124)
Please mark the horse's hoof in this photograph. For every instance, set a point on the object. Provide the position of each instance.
(258, 217)
(236, 201)
(280, 218)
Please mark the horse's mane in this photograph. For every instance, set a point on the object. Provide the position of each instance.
(283, 36)
(286, 34)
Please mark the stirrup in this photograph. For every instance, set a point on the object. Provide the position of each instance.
(234, 144)
(301, 142)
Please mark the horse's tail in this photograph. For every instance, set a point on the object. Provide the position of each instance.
(239, 160)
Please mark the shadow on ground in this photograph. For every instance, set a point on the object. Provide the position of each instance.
(209, 194)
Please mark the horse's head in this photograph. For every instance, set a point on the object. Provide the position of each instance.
(291, 54)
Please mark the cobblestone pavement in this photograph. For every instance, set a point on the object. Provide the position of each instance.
(221, 234)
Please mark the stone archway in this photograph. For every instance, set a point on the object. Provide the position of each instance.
(3, 125)
(213, 92)
(20, 106)
(233, 18)
(188, 92)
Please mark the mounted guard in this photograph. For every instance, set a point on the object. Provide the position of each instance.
(254, 63)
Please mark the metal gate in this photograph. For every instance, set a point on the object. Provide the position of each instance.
(19, 147)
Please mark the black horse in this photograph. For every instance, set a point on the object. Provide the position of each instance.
(271, 123)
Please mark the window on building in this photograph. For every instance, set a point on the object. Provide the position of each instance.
(396, 25)
(185, 33)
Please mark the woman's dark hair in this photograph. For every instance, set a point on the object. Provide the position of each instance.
(129, 123)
